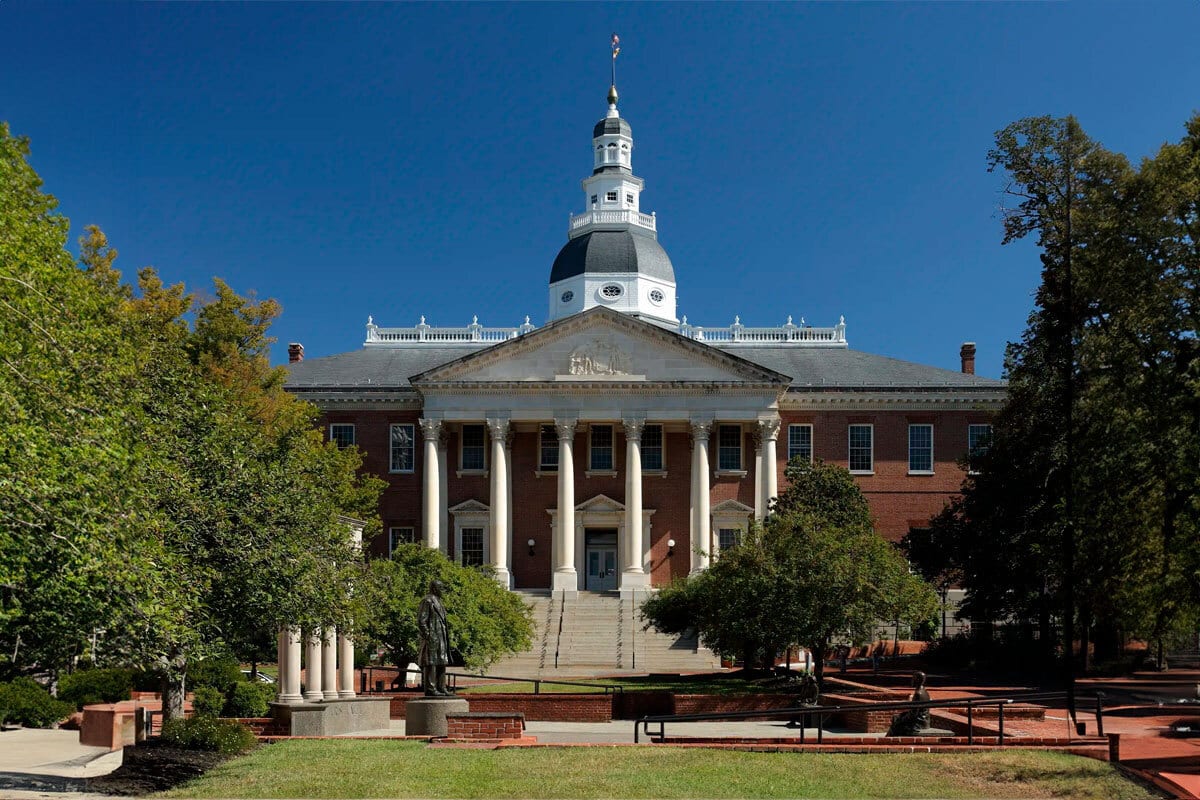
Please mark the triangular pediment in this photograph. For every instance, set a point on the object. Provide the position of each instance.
(601, 346)
(601, 503)
(469, 507)
(732, 507)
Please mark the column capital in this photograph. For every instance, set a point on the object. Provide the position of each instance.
(430, 428)
(769, 428)
(443, 438)
(634, 428)
(498, 428)
(565, 428)
(702, 429)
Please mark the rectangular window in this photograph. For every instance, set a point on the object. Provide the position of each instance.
(728, 537)
(862, 456)
(629, 199)
(473, 448)
(341, 434)
(549, 449)
(729, 447)
(652, 448)
(399, 536)
(610, 197)
(920, 448)
(979, 439)
(402, 447)
(471, 554)
(595, 199)
(800, 442)
(601, 457)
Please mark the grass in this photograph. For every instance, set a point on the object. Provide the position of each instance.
(699, 684)
(404, 769)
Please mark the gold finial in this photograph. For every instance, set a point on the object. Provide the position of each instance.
(612, 95)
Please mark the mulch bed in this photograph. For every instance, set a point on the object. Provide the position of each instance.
(154, 766)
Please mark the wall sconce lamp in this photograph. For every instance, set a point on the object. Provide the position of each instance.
(531, 543)
(670, 547)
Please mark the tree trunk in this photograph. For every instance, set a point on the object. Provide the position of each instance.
(1085, 642)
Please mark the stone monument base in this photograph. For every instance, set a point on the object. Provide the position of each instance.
(939, 732)
(333, 717)
(427, 716)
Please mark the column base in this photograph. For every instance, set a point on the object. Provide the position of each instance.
(347, 694)
(330, 695)
(313, 697)
(503, 576)
(289, 698)
(565, 581)
(635, 580)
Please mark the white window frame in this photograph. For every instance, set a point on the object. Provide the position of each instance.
(611, 196)
(970, 451)
(662, 449)
(412, 438)
(462, 438)
(729, 515)
(472, 514)
(484, 557)
(912, 471)
(592, 469)
(849, 447)
(796, 426)
(542, 468)
(353, 433)
(741, 468)
(393, 530)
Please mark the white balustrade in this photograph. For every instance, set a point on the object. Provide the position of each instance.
(621, 216)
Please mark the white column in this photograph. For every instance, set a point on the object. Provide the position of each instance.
(289, 669)
(565, 577)
(312, 665)
(498, 428)
(634, 576)
(512, 533)
(701, 515)
(328, 664)
(444, 531)
(345, 683)
(760, 508)
(769, 431)
(431, 496)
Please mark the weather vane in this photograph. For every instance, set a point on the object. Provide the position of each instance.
(616, 49)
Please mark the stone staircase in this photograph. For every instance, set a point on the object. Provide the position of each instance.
(598, 633)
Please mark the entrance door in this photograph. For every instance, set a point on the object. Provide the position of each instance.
(600, 553)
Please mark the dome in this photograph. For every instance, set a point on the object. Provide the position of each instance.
(612, 251)
(611, 125)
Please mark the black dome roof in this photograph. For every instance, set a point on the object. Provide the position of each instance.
(612, 251)
(612, 125)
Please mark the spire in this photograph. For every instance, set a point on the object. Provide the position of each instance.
(612, 101)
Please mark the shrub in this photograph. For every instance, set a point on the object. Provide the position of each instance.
(217, 672)
(249, 700)
(204, 732)
(207, 701)
(95, 686)
(25, 702)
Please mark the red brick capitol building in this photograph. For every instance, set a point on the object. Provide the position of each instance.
(618, 445)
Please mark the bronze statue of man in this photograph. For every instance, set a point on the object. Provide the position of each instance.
(434, 653)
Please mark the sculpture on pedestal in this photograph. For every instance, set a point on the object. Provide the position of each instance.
(434, 653)
(915, 720)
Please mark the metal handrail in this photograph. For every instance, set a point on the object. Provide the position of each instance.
(607, 688)
(804, 713)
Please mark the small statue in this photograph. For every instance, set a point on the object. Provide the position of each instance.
(915, 720)
(434, 653)
(807, 696)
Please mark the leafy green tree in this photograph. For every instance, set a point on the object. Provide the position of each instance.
(816, 572)
(486, 621)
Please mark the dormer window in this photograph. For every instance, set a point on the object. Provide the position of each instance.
(610, 197)
(629, 199)
(595, 199)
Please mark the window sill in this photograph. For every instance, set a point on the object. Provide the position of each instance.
(466, 473)
(543, 473)
(730, 473)
(862, 472)
(402, 472)
(920, 472)
(600, 473)
(654, 473)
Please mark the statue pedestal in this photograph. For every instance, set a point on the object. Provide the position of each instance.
(427, 716)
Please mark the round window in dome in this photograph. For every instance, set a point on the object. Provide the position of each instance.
(656, 296)
(611, 291)
(568, 296)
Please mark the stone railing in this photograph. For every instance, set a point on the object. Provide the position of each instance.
(786, 334)
(422, 333)
(589, 219)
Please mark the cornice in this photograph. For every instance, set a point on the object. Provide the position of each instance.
(894, 399)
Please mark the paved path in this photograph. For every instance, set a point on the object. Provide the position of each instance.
(38, 763)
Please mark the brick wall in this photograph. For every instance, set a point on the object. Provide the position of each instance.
(485, 726)
(534, 707)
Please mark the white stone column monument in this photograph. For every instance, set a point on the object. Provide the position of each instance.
(289, 667)
(431, 499)
(565, 579)
(328, 664)
(345, 682)
(634, 576)
(312, 677)
(701, 512)
(498, 429)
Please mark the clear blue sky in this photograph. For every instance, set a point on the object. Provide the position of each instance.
(404, 159)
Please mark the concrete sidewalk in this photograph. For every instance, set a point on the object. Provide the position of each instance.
(49, 763)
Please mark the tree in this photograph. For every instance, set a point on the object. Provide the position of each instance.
(816, 572)
(486, 621)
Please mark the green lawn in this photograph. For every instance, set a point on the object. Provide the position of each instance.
(404, 769)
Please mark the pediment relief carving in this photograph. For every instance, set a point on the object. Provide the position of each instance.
(601, 356)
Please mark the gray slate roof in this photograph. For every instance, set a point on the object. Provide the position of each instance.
(611, 125)
(378, 368)
(613, 251)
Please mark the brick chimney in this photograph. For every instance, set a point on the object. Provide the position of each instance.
(295, 352)
(967, 354)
